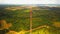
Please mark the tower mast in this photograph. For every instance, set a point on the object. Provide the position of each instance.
(30, 19)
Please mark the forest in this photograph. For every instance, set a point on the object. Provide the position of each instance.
(43, 21)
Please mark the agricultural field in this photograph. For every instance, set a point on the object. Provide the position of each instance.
(45, 20)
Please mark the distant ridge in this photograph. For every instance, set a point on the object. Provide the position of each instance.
(31, 4)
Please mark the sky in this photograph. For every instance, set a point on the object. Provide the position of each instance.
(29, 1)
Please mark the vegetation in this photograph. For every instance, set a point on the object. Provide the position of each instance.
(20, 20)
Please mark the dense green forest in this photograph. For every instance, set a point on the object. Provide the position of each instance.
(20, 20)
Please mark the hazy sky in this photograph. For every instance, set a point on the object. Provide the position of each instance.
(29, 1)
